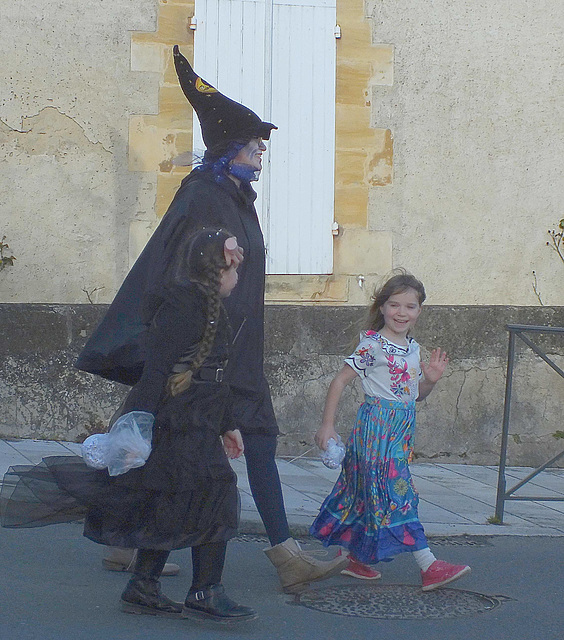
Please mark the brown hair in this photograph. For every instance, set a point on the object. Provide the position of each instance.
(398, 283)
(201, 261)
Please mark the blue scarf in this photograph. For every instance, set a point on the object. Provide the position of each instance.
(223, 165)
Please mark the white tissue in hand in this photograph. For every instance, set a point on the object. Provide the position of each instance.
(333, 456)
(94, 450)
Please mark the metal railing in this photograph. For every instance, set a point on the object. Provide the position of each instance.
(503, 494)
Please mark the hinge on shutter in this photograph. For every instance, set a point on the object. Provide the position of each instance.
(193, 23)
(337, 31)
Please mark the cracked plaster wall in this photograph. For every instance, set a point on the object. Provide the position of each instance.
(67, 197)
(461, 420)
(42, 396)
(448, 116)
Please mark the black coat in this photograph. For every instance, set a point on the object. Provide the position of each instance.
(116, 350)
(186, 493)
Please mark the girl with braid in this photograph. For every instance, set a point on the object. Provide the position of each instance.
(185, 495)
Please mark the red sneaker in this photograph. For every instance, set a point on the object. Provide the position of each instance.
(359, 570)
(441, 573)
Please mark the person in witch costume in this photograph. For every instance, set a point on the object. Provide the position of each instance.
(216, 193)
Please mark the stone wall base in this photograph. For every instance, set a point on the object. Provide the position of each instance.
(43, 396)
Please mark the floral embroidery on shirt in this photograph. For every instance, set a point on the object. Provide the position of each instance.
(399, 375)
(365, 356)
(387, 370)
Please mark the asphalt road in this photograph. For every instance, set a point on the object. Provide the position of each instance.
(52, 587)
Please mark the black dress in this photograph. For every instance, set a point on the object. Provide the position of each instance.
(186, 494)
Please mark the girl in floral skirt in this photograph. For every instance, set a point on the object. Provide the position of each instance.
(372, 509)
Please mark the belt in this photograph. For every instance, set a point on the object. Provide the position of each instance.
(209, 374)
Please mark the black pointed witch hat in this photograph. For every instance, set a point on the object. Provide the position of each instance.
(222, 120)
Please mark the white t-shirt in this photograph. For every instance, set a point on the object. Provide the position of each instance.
(387, 370)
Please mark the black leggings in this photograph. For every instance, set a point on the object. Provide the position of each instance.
(264, 482)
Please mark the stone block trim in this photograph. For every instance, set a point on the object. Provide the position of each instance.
(360, 65)
(154, 140)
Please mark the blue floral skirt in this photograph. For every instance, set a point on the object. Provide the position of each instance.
(372, 509)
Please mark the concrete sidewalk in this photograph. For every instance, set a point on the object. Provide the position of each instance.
(456, 499)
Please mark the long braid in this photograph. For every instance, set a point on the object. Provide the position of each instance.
(179, 382)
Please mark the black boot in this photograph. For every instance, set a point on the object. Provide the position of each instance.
(211, 603)
(143, 592)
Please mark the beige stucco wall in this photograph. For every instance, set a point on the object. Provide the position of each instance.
(67, 197)
(449, 147)
(478, 127)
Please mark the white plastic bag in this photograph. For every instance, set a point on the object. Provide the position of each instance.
(125, 447)
(334, 455)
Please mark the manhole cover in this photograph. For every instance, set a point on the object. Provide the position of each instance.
(397, 602)
(458, 541)
(451, 541)
(251, 537)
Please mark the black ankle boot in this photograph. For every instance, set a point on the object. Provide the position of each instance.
(143, 592)
(211, 603)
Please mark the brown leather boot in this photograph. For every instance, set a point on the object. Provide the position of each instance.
(296, 568)
(120, 559)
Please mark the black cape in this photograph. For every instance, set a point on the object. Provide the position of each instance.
(116, 349)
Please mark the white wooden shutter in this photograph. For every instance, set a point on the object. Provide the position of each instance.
(278, 58)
